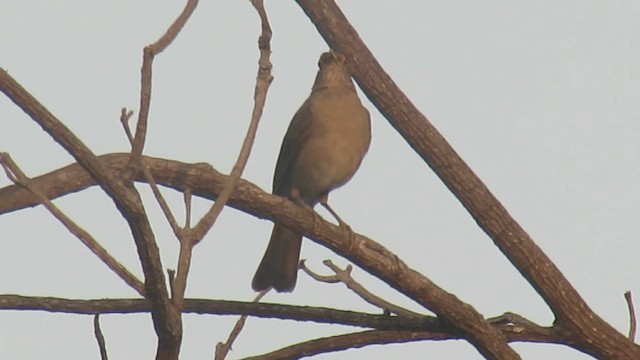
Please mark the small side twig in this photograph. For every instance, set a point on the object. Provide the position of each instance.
(222, 349)
(15, 174)
(102, 345)
(187, 207)
(171, 274)
(166, 210)
(632, 316)
(125, 116)
(344, 276)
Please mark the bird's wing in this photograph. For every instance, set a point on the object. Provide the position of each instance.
(296, 136)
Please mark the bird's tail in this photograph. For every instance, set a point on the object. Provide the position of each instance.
(279, 265)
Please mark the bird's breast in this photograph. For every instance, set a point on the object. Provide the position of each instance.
(339, 138)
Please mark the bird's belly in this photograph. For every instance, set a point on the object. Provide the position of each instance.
(326, 163)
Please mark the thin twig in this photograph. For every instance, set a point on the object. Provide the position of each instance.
(222, 349)
(172, 276)
(166, 210)
(184, 264)
(344, 276)
(149, 53)
(15, 174)
(263, 81)
(125, 116)
(632, 316)
(187, 207)
(99, 337)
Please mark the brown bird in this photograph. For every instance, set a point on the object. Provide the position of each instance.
(324, 146)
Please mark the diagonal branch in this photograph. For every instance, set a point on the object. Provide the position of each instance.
(362, 251)
(570, 309)
(205, 182)
(126, 199)
(349, 341)
(18, 177)
(165, 318)
(149, 53)
(222, 349)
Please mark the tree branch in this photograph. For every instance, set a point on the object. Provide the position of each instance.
(127, 200)
(344, 277)
(349, 341)
(102, 345)
(515, 327)
(20, 179)
(594, 335)
(223, 307)
(148, 54)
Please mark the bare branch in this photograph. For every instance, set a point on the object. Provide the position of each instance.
(99, 337)
(222, 307)
(187, 207)
(344, 276)
(125, 116)
(16, 175)
(149, 53)
(263, 81)
(127, 199)
(514, 326)
(166, 318)
(189, 237)
(570, 309)
(222, 349)
(206, 182)
(166, 210)
(632, 316)
(349, 341)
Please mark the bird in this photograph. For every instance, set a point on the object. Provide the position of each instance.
(322, 149)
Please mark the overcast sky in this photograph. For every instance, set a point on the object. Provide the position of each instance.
(542, 99)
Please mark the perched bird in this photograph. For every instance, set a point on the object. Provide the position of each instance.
(322, 149)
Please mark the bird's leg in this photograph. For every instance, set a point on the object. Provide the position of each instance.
(324, 201)
(295, 194)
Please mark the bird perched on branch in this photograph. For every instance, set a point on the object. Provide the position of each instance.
(322, 149)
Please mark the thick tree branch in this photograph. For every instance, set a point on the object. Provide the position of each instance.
(204, 181)
(595, 336)
(127, 200)
(337, 31)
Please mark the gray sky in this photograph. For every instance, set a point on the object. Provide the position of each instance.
(542, 99)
